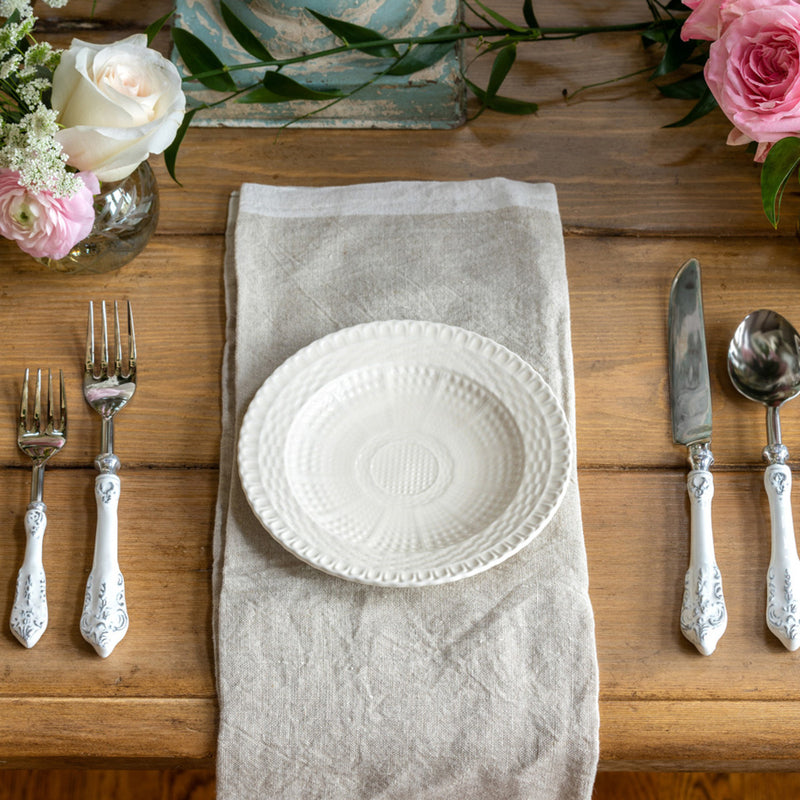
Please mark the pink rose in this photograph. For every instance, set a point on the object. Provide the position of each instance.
(753, 71)
(703, 22)
(45, 226)
(710, 18)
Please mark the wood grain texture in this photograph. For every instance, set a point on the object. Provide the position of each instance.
(694, 786)
(636, 200)
(65, 784)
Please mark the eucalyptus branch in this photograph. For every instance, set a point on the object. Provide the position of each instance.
(394, 56)
(508, 34)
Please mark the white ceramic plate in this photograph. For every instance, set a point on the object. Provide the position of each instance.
(404, 453)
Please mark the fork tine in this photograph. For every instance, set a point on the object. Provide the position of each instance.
(104, 351)
(131, 341)
(62, 402)
(37, 402)
(50, 414)
(117, 341)
(23, 407)
(90, 340)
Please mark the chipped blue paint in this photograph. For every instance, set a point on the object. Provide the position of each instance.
(432, 98)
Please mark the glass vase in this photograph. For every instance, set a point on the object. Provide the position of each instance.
(126, 215)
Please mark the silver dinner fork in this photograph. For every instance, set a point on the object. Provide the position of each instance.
(46, 435)
(104, 620)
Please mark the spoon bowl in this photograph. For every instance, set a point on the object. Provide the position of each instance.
(764, 358)
(764, 365)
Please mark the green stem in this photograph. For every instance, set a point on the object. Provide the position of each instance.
(608, 82)
(530, 35)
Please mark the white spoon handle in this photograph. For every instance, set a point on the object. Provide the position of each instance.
(703, 615)
(783, 577)
(29, 612)
(105, 614)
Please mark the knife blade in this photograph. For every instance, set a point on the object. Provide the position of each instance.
(703, 614)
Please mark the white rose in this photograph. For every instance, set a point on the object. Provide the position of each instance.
(117, 103)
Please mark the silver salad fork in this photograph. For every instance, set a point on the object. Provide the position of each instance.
(104, 620)
(45, 437)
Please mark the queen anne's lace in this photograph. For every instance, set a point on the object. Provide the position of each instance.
(27, 125)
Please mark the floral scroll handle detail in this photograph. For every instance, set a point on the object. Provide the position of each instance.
(104, 620)
(105, 614)
(29, 613)
(782, 608)
(783, 575)
(703, 608)
(703, 617)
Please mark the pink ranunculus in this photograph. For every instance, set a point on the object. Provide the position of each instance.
(45, 226)
(753, 71)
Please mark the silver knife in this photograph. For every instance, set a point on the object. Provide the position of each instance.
(703, 614)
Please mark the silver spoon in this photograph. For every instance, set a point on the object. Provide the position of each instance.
(764, 365)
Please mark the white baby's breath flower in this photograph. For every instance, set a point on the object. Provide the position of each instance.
(10, 66)
(12, 32)
(31, 91)
(29, 148)
(42, 54)
(8, 7)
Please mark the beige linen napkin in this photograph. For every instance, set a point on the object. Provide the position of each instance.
(483, 689)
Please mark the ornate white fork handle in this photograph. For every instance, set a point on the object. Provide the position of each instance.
(43, 439)
(104, 621)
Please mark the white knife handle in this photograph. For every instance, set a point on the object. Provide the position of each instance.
(703, 615)
(783, 577)
(29, 612)
(105, 615)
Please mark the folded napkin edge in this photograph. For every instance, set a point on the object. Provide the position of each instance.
(396, 197)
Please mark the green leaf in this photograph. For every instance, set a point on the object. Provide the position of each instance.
(691, 88)
(246, 38)
(500, 69)
(154, 28)
(356, 34)
(500, 18)
(527, 12)
(422, 56)
(279, 88)
(781, 161)
(505, 105)
(676, 53)
(655, 34)
(704, 105)
(200, 58)
(171, 153)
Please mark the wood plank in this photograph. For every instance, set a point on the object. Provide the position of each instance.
(89, 731)
(619, 290)
(693, 785)
(61, 784)
(635, 589)
(166, 519)
(175, 287)
(637, 560)
(175, 784)
(618, 294)
(700, 735)
(649, 179)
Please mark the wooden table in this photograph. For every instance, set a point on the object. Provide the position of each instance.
(636, 200)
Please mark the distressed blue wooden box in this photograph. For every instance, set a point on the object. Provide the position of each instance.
(432, 98)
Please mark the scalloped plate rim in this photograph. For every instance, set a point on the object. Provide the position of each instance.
(261, 506)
